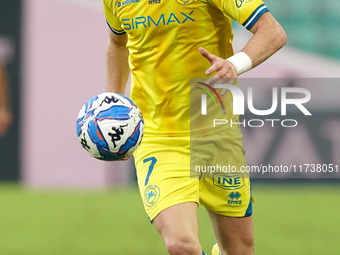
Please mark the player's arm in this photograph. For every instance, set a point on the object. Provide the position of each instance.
(5, 110)
(117, 67)
(268, 38)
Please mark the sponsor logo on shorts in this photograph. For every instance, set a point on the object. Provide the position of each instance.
(234, 198)
(228, 181)
(151, 195)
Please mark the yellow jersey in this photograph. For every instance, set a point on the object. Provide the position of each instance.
(163, 41)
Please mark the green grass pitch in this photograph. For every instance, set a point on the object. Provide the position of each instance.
(288, 219)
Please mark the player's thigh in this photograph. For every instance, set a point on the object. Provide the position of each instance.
(226, 191)
(234, 235)
(163, 173)
(224, 188)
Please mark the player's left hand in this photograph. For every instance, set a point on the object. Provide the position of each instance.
(225, 70)
(5, 120)
(126, 158)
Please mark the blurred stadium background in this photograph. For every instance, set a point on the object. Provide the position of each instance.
(57, 200)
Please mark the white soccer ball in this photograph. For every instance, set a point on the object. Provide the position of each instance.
(110, 126)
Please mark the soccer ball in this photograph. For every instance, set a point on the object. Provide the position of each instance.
(110, 126)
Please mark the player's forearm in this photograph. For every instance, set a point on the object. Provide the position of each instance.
(117, 67)
(268, 38)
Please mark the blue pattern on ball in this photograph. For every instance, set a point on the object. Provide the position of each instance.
(132, 140)
(116, 112)
(88, 106)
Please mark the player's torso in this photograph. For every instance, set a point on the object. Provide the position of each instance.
(176, 25)
(163, 40)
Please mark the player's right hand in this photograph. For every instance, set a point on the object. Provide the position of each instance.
(226, 72)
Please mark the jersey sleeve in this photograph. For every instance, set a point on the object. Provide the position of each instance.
(111, 19)
(245, 12)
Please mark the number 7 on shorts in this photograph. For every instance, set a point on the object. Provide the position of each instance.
(153, 162)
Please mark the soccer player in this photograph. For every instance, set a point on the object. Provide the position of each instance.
(5, 112)
(164, 43)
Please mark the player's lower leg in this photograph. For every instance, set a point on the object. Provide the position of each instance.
(234, 235)
(178, 227)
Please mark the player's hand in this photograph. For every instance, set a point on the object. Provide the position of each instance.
(126, 158)
(5, 120)
(226, 72)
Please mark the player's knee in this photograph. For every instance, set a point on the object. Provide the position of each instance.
(182, 246)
